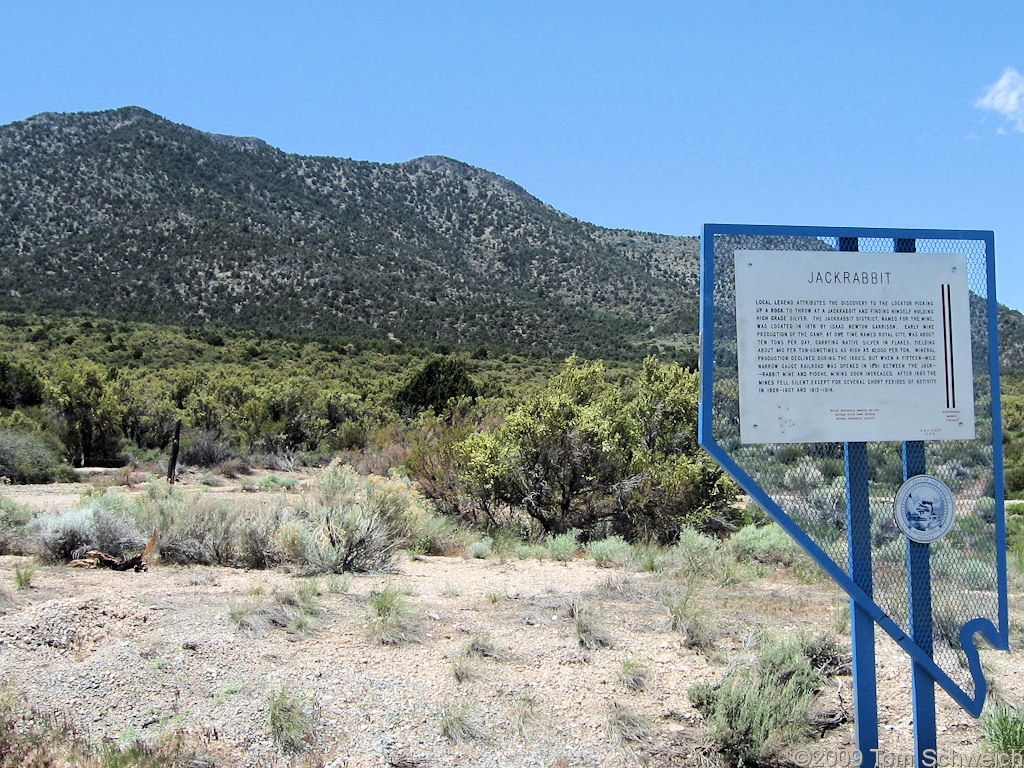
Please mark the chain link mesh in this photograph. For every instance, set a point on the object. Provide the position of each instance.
(807, 480)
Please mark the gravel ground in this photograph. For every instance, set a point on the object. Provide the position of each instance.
(140, 655)
(132, 655)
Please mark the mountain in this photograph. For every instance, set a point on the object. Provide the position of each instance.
(128, 215)
(124, 214)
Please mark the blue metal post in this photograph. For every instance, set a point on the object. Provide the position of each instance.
(919, 576)
(919, 568)
(862, 627)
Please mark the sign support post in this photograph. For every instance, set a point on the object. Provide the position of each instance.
(862, 626)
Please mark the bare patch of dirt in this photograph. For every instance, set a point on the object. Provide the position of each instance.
(131, 655)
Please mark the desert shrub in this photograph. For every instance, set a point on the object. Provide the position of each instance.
(1004, 730)
(197, 531)
(634, 674)
(390, 619)
(804, 476)
(764, 544)
(648, 557)
(986, 506)
(431, 534)
(296, 611)
(612, 551)
(690, 619)
(208, 450)
(828, 503)
(460, 724)
(350, 539)
(789, 454)
(257, 540)
(14, 521)
(292, 720)
(760, 707)
(626, 725)
(102, 523)
(528, 550)
(564, 546)
(590, 633)
(26, 458)
(294, 540)
(695, 553)
(275, 483)
(592, 454)
(337, 485)
(481, 549)
(435, 384)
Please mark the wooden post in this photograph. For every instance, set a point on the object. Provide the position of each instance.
(173, 464)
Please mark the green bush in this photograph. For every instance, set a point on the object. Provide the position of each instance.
(612, 551)
(14, 521)
(26, 458)
(696, 553)
(434, 385)
(564, 546)
(760, 708)
(350, 539)
(1004, 730)
(768, 544)
(481, 549)
(102, 523)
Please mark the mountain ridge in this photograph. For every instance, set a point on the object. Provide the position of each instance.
(150, 219)
(126, 214)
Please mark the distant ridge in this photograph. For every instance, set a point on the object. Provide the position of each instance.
(125, 214)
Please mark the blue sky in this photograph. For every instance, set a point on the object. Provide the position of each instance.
(655, 116)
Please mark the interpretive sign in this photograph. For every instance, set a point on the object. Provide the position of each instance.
(871, 346)
(853, 348)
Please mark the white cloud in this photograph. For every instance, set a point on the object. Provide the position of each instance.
(1006, 97)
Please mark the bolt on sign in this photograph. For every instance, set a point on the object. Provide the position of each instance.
(850, 384)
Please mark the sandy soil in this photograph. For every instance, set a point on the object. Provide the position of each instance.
(132, 655)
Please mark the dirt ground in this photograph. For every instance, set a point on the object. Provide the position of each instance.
(130, 655)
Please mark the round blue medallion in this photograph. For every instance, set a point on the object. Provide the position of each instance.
(924, 509)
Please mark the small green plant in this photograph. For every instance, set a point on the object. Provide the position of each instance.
(589, 632)
(337, 583)
(459, 724)
(481, 549)
(449, 590)
(528, 551)
(609, 552)
(634, 674)
(626, 726)
(648, 557)
(1004, 730)
(275, 483)
(390, 619)
(496, 596)
(23, 575)
(292, 720)
(768, 544)
(564, 546)
(690, 619)
(296, 611)
(761, 706)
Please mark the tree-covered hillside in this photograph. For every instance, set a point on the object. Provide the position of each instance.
(127, 215)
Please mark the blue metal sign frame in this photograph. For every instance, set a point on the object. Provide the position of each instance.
(856, 579)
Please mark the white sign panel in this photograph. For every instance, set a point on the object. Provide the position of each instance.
(853, 347)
